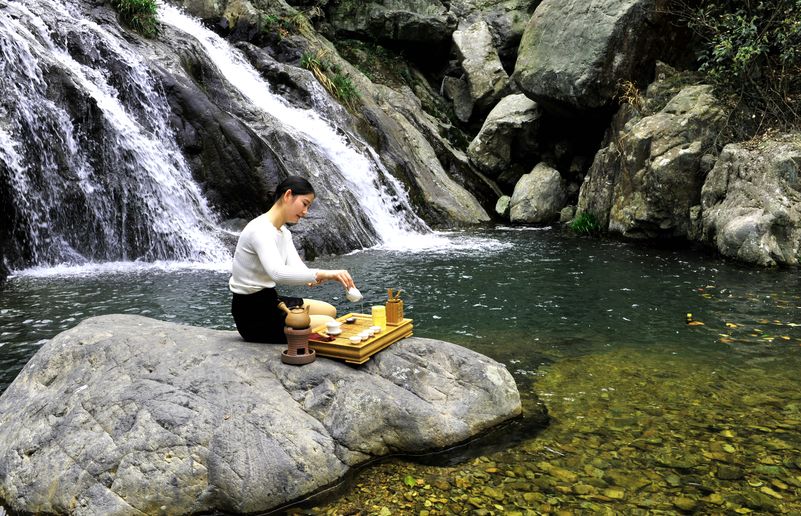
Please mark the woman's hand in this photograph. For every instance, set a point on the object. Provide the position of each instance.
(340, 275)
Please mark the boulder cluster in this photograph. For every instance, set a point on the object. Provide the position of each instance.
(541, 109)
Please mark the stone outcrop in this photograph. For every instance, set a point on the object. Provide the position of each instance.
(751, 202)
(417, 22)
(128, 415)
(508, 133)
(506, 19)
(574, 53)
(644, 183)
(487, 81)
(539, 196)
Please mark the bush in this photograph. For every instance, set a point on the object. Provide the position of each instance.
(140, 15)
(751, 51)
(331, 77)
(585, 223)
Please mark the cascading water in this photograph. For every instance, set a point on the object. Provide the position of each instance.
(86, 154)
(381, 197)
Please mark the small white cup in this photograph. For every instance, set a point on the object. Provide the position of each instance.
(333, 327)
(353, 295)
(355, 339)
(375, 329)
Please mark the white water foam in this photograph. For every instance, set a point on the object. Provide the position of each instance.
(119, 268)
(358, 170)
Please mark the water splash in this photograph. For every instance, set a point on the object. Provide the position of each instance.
(88, 156)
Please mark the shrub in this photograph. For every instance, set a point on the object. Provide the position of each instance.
(331, 77)
(140, 15)
(585, 223)
(751, 51)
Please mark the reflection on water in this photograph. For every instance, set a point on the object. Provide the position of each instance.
(649, 413)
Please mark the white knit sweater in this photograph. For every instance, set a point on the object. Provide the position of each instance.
(266, 256)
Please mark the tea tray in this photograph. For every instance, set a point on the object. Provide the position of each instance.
(358, 353)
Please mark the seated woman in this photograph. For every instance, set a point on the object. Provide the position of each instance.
(265, 256)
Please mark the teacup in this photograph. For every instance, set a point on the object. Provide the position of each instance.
(355, 339)
(333, 327)
(375, 329)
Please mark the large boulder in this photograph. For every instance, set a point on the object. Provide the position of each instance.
(645, 182)
(574, 53)
(751, 202)
(507, 136)
(415, 22)
(506, 19)
(128, 415)
(539, 196)
(487, 81)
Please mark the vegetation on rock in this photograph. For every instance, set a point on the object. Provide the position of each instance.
(585, 223)
(751, 52)
(139, 15)
(331, 77)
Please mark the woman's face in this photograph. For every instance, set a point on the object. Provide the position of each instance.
(297, 207)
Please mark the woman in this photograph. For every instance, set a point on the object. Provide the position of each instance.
(265, 256)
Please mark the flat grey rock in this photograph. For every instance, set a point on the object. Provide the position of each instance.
(129, 415)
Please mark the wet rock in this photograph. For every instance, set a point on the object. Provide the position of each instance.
(727, 472)
(127, 414)
(685, 504)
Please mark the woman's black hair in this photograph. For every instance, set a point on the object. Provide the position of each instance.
(297, 184)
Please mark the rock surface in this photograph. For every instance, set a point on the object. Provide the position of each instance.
(539, 196)
(509, 130)
(574, 53)
(128, 415)
(408, 21)
(645, 182)
(486, 79)
(751, 202)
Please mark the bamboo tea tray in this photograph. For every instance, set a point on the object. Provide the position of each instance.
(341, 347)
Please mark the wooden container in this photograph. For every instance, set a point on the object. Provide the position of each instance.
(394, 312)
(341, 347)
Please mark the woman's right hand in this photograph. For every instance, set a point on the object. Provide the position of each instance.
(340, 275)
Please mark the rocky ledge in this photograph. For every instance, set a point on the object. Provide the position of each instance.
(129, 415)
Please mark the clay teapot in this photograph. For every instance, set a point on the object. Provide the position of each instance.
(296, 317)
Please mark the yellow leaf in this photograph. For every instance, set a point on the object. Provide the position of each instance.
(726, 340)
(695, 323)
(731, 325)
(785, 337)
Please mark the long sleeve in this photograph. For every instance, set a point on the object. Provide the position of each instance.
(265, 257)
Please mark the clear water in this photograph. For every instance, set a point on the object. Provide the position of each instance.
(597, 329)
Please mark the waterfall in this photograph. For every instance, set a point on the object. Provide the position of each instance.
(86, 154)
(381, 197)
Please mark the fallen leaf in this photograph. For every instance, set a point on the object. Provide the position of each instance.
(731, 325)
(695, 323)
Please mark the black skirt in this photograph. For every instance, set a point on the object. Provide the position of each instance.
(258, 318)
